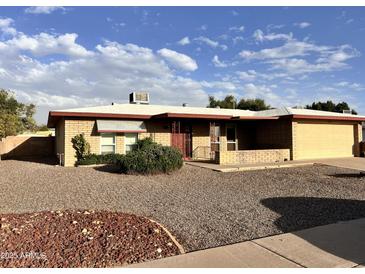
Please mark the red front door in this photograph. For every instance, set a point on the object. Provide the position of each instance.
(181, 138)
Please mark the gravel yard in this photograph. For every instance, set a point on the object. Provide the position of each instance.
(202, 208)
(80, 239)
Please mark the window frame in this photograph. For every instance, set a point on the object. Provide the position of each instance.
(125, 139)
(235, 142)
(114, 142)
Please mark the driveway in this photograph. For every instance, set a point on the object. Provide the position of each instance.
(357, 163)
(202, 208)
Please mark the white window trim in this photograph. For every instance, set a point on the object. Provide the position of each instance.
(125, 143)
(114, 144)
(235, 142)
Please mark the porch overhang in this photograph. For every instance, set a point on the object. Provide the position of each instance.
(55, 116)
(120, 126)
(192, 116)
(334, 118)
(255, 118)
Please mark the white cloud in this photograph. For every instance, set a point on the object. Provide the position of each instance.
(217, 63)
(5, 26)
(108, 74)
(271, 27)
(289, 49)
(262, 91)
(43, 10)
(237, 28)
(237, 39)
(302, 25)
(352, 86)
(219, 85)
(249, 75)
(203, 28)
(259, 36)
(210, 42)
(234, 13)
(207, 41)
(178, 60)
(184, 41)
(45, 44)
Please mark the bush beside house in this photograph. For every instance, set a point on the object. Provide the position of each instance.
(146, 157)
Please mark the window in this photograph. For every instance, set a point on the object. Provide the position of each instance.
(107, 143)
(231, 138)
(130, 139)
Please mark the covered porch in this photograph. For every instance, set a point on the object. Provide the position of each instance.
(246, 142)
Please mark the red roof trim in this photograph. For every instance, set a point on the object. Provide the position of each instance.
(122, 131)
(98, 115)
(318, 117)
(255, 118)
(193, 116)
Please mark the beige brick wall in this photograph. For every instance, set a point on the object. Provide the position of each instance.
(159, 131)
(201, 140)
(253, 156)
(74, 127)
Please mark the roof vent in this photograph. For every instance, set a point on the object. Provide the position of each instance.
(139, 98)
(185, 104)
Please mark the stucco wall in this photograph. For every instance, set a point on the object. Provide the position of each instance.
(17, 147)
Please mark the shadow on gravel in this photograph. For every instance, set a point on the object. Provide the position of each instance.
(349, 175)
(299, 213)
(108, 168)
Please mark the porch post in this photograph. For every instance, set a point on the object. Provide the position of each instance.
(357, 138)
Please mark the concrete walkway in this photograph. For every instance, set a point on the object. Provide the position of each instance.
(336, 245)
(356, 163)
(247, 167)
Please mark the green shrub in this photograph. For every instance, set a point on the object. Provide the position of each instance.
(148, 157)
(95, 159)
(81, 146)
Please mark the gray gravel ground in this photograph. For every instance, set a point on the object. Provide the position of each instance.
(202, 208)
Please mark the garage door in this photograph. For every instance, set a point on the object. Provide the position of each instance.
(323, 140)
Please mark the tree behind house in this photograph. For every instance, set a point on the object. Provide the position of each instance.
(330, 106)
(15, 117)
(231, 102)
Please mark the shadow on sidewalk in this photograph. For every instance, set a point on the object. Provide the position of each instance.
(299, 213)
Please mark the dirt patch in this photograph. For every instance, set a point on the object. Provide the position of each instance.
(80, 239)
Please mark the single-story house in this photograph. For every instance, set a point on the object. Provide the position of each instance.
(225, 136)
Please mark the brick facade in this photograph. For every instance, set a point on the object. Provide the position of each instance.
(201, 141)
(257, 141)
(253, 156)
(68, 128)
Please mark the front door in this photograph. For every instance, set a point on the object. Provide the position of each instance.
(181, 138)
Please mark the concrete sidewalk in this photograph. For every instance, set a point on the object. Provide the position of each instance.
(356, 163)
(335, 245)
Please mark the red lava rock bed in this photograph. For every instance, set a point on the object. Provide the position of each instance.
(80, 239)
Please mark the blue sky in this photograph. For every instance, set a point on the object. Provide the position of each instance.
(70, 57)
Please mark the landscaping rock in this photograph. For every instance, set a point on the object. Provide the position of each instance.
(53, 239)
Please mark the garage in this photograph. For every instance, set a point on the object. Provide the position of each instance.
(324, 139)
